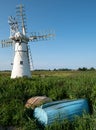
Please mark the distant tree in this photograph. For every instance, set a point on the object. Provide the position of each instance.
(82, 69)
(55, 69)
(92, 69)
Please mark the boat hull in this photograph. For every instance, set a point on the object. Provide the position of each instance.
(60, 110)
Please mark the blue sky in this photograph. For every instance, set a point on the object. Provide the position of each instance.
(74, 22)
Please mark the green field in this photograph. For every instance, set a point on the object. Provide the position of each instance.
(54, 84)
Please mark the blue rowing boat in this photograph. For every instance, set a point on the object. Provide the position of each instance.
(60, 110)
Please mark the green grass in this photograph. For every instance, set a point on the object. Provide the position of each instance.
(57, 85)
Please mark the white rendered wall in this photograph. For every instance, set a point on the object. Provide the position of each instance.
(21, 56)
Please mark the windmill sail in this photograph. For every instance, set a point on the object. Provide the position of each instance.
(39, 36)
(20, 14)
(7, 43)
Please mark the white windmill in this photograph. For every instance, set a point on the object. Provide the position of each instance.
(18, 38)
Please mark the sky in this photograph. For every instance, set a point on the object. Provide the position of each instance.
(74, 22)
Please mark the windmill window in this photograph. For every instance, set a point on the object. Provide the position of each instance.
(21, 62)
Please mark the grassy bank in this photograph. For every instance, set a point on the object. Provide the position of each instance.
(54, 84)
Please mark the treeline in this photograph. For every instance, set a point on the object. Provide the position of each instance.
(60, 69)
(86, 69)
(79, 69)
(67, 69)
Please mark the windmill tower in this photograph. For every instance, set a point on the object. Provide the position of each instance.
(18, 38)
